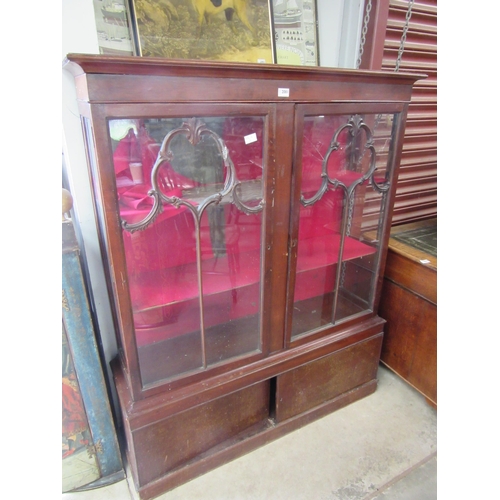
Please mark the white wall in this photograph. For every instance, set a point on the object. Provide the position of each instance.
(338, 47)
(79, 35)
(339, 26)
(352, 22)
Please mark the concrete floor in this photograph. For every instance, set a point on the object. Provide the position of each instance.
(383, 447)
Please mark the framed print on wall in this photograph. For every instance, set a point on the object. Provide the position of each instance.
(296, 32)
(113, 27)
(223, 30)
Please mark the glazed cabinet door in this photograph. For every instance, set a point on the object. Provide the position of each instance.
(190, 185)
(343, 172)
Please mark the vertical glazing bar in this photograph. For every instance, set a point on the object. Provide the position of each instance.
(197, 219)
(345, 215)
(376, 274)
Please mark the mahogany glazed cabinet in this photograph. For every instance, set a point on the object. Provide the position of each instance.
(244, 214)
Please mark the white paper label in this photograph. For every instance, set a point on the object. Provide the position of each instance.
(283, 92)
(250, 138)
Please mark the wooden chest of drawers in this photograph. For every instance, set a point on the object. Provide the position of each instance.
(409, 304)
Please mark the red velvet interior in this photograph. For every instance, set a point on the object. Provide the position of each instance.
(161, 259)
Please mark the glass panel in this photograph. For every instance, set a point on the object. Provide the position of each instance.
(344, 181)
(190, 197)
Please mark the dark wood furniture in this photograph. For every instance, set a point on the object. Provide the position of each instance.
(409, 304)
(244, 213)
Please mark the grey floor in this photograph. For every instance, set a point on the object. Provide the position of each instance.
(383, 447)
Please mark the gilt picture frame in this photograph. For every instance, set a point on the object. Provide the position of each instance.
(218, 30)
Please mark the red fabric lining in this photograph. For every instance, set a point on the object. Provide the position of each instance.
(161, 259)
(235, 294)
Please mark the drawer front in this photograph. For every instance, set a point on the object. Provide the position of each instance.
(320, 381)
(174, 441)
(414, 276)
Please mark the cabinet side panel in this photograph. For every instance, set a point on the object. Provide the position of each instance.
(410, 340)
(174, 441)
(319, 381)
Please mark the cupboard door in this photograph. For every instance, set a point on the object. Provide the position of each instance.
(191, 196)
(343, 172)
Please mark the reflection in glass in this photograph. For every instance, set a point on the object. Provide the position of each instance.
(190, 196)
(344, 181)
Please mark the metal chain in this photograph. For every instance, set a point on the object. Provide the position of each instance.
(364, 31)
(400, 51)
(403, 36)
(379, 117)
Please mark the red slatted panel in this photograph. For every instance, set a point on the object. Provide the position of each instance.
(416, 196)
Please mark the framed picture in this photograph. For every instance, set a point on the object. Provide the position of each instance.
(113, 27)
(223, 30)
(296, 32)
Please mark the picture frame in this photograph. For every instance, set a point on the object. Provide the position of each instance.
(219, 30)
(296, 32)
(113, 27)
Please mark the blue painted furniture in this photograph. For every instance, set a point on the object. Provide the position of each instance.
(91, 454)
